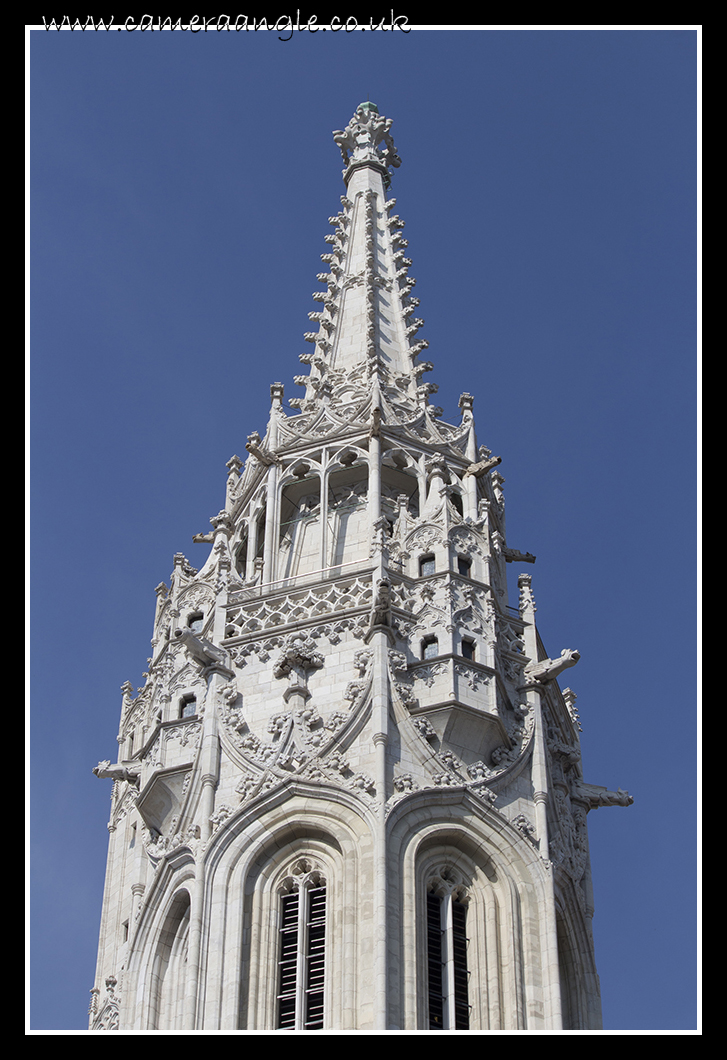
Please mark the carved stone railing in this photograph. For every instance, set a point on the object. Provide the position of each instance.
(284, 585)
(300, 606)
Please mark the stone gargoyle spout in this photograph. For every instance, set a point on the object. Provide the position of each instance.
(549, 669)
(105, 771)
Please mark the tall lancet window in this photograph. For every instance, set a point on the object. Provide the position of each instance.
(302, 949)
(448, 977)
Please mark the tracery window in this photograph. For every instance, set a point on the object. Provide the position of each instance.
(302, 949)
(448, 976)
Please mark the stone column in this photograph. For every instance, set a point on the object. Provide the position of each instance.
(323, 480)
(539, 774)
(251, 547)
(271, 524)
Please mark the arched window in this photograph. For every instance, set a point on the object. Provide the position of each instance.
(170, 968)
(448, 975)
(302, 949)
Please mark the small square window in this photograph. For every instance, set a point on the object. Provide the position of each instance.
(188, 707)
(195, 622)
(430, 648)
(468, 649)
(464, 566)
(426, 566)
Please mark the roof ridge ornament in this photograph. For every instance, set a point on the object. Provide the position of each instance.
(367, 139)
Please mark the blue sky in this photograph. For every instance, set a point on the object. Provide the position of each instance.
(180, 189)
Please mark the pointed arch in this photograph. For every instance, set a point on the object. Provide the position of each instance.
(250, 867)
(452, 835)
(169, 967)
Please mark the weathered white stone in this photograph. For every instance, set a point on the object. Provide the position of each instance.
(342, 698)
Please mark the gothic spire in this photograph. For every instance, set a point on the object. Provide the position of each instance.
(366, 347)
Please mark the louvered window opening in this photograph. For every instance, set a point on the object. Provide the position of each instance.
(447, 987)
(302, 959)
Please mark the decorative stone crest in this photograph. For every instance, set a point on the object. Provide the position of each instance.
(300, 654)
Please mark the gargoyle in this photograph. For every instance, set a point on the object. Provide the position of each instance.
(105, 771)
(201, 649)
(482, 466)
(548, 669)
(513, 556)
(595, 796)
(254, 446)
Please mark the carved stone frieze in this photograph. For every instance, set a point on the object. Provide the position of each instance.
(428, 674)
(474, 678)
(186, 733)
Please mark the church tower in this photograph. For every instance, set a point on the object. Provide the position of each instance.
(349, 795)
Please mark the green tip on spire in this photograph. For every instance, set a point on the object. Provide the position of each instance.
(368, 105)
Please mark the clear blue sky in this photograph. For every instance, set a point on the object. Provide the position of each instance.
(180, 189)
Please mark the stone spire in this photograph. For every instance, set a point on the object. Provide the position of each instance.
(366, 347)
(349, 750)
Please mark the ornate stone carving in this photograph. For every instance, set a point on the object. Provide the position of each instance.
(202, 650)
(252, 616)
(424, 728)
(381, 611)
(513, 556)
(108, 1016)
(367, 138)
(159, 846)
(526, 829)
(299, 654)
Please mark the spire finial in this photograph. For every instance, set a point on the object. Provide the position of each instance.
(367, 138)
